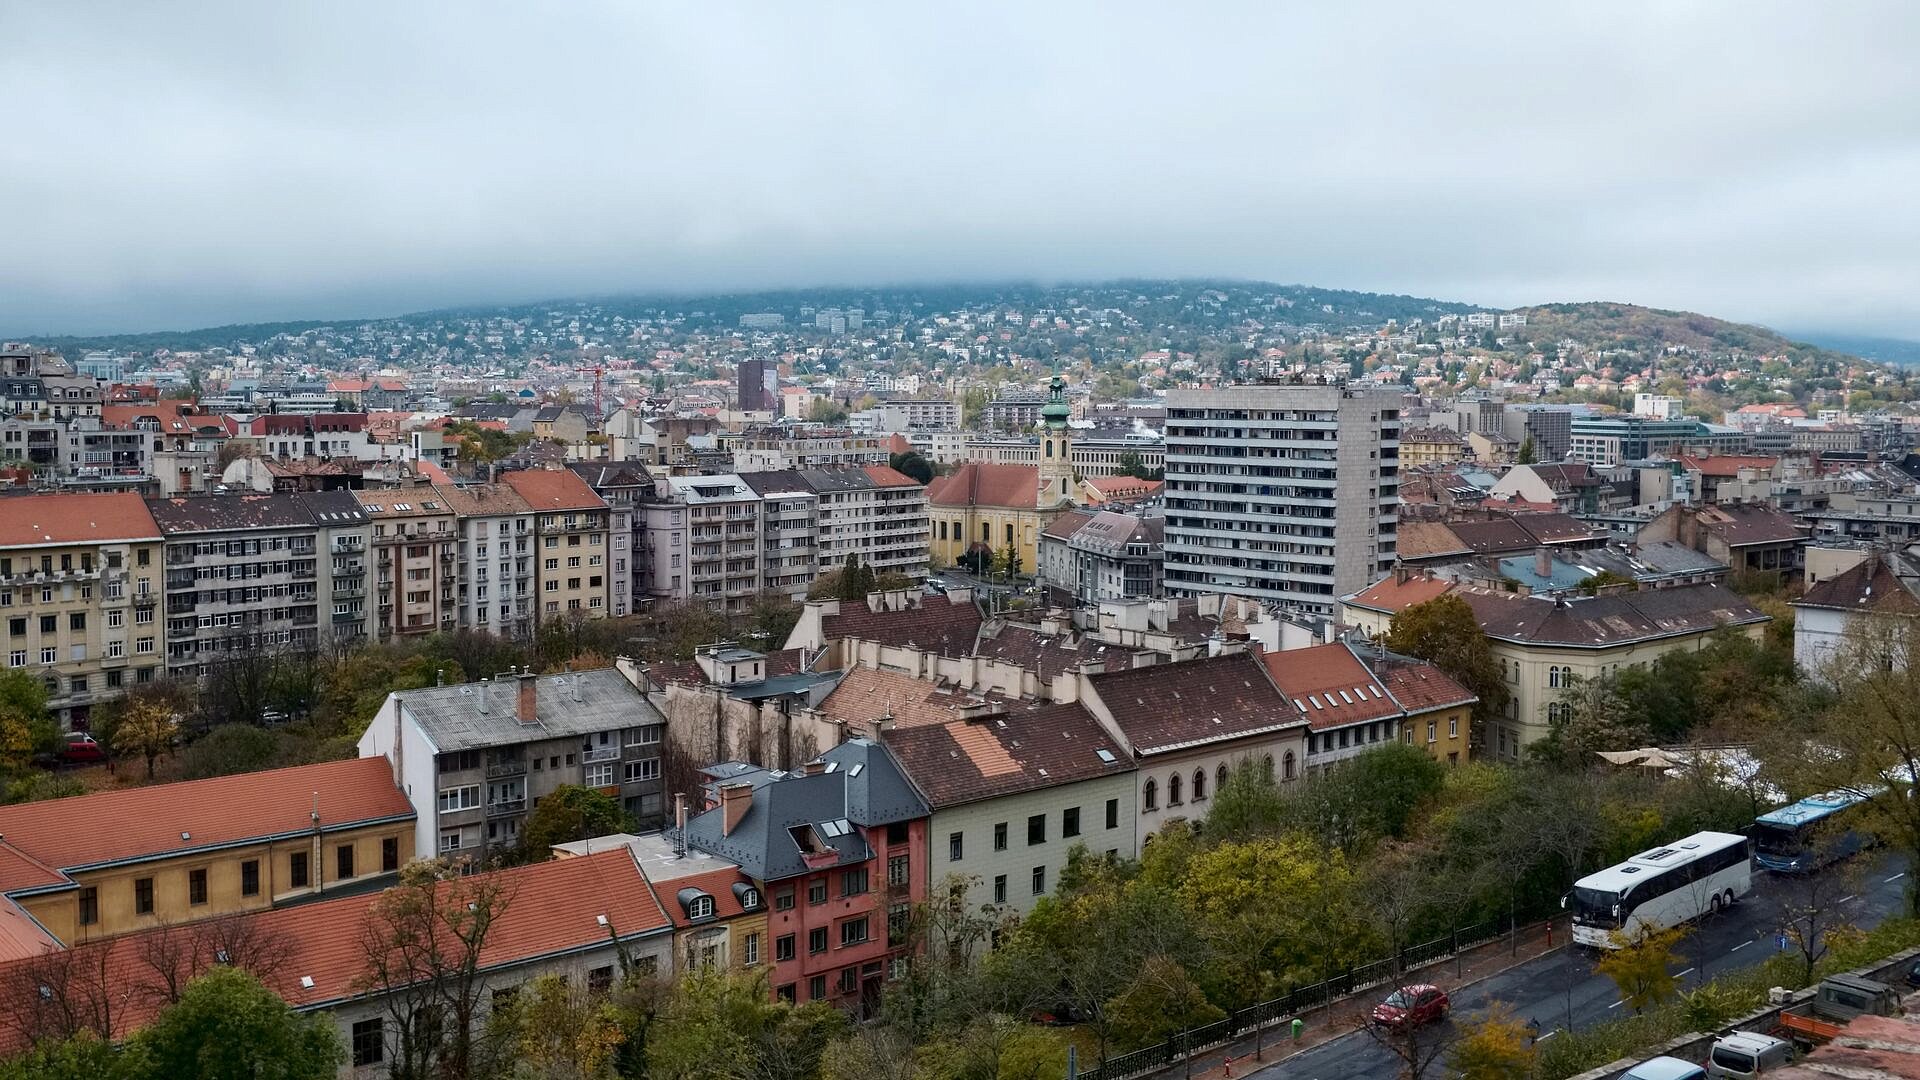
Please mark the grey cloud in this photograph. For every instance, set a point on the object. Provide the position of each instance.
(161, 167)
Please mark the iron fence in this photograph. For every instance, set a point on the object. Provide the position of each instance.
(1294, 1003)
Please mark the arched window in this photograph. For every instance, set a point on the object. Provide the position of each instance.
(701, 908)
(1150, 795)
(1173, 790)
(1286, 763)
(1049, 447)
(1220, 777)
(1266, 765)
(1553, 678)
(1199, 784)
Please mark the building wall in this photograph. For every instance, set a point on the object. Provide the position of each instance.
(975, 824)
(496, 587)
(732, 940)
(97, 584)
(416, 561)
(238, 592)
(875, 905)
(575, 585)
(60, 912)
(1159, 770)
(954, 529)
(1445, 734)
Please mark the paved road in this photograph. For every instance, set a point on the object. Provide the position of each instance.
(1561, 990)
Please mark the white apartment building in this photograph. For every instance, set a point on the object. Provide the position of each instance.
(704, 541)
(1284, 493)
(789, 509)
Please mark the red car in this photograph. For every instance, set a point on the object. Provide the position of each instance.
(80, 749)
(1416, 1005)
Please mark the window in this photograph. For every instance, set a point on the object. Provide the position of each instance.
(816, 940)
(750, 950)
(817, 987)
(1070, 821)
(853, 882)
(1173, 790)
(1036, 829)
(197, 885)
(369, 1041)
(459, 798)
(1113, 813)
(1000, 888)
(1000, 837)
(645, 769)
(600, 979)
(89, 906)
(644, 735)
(250, 878)
(343, 862)
(783, 947)
(297, 869)
(700, 907)
(600, 775)
(897, 832)
(956, 845)
(1150, 796)
(389, 855)
(853, 932)
(143, 896)
(1433, 731)
(1453, 728)
(1039, 880)
(817, 891)
(1286, 765)
(783, 900)
(144, 645)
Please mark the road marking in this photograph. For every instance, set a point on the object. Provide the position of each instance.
(1844, 899)
(1897, 877)
(1684, 974)
(1617, 1004)
(1740, 946)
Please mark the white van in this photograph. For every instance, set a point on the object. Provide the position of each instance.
(1748, 1053)
(1665, 1068)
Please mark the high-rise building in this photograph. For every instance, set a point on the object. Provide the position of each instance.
(1288, 494)
(754, 395)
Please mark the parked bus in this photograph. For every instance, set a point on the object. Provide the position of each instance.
(1662, 888)
(1784, 840)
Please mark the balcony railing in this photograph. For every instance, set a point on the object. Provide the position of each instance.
(506, 768)
(503, 807)
(601, 753)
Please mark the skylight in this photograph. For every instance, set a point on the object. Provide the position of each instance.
(1105, 755)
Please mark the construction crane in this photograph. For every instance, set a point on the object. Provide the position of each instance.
(599, 408)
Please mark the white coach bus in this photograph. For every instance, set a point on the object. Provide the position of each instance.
(1662, 888)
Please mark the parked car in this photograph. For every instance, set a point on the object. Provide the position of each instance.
(1747, 1053)
(1913, 974)
(1415, 1005)
(80, 749)
(1665, 1068)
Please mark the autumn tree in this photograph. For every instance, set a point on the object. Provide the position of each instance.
(420, 955)
(227, 1026)
(1162, 1001)
(1497, 1046)
(24, 727)
(1813, 919)
(553, 1030)
(567, 813)
(1641, 966)
(718, 1025)
(146, 729)
(1445, 632)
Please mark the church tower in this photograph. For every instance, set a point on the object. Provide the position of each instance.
(1056, 465)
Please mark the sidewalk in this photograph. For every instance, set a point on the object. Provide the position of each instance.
(1325, 1024)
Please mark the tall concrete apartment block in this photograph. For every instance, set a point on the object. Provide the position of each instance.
(1285, 493)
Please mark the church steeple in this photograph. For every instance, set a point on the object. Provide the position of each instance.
(1056, 464)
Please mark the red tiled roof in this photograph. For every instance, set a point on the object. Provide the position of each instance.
(1025, 748)
(1169, 706)
(715, 883)
(779, 662)
(1392, 595)
(1421, 687)
(554, 489)
(888, 476)
(73, 518)
(1329, 685)
(867, 694)
(980, 483)
(944, 625)
(1427, 539)
(348, 386)
(1728, 465)
(165, 413)
(1124, 488)
(551, 907)
(109, 826)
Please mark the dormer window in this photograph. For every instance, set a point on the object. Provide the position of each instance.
(749, 899)
(700, 908)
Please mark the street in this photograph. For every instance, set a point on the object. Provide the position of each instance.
(1562, 990)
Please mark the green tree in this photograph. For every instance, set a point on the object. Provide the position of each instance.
(227, 1026)
(552, 1030)
(1497, 1046)
(229, 749)
(1642, 967)
(1527, 454)
(722, 1026)
(81, 1057)
(1008, 563)
(570, 812)
(1445, 632)
(856, 579)
(912, 464)
(24, 727)
(827, 411)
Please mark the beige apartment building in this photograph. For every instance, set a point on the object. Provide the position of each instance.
(496, 528)
(571, 569)
(416, 562)
(80, 592)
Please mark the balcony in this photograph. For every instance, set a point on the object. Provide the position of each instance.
(601, 753)
(504, 807)
(347, 617)
(501, 769)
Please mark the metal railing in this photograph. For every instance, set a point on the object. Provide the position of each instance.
(1300, 1000)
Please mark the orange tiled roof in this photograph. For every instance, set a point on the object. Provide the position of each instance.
(112, 826)
(1392, 595)
(1421, 687)
(73, 518)
(980, 483)
(715, 883)
(554, 489)
(1329, 685)
(888, 476)
(166, 413)
(552, 908)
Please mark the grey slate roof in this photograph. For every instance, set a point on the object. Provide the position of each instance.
(864, 788)
(452, 719)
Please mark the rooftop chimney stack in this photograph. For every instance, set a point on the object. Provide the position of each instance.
(735, 801)
(1543, 561)
(680, 824)
(526, 711)
(483, 695)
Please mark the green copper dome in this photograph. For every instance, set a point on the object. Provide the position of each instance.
(1054, 413)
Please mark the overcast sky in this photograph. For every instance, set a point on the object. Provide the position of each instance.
(175, 165)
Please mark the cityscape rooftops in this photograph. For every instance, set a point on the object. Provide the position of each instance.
(49, 520)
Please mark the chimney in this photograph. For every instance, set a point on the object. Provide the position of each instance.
(813, 768)
(525, 711)
(1543, 561)
(1401, 574)
(576, 687)
(735, 801)
(680, 824)
(483, 695)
